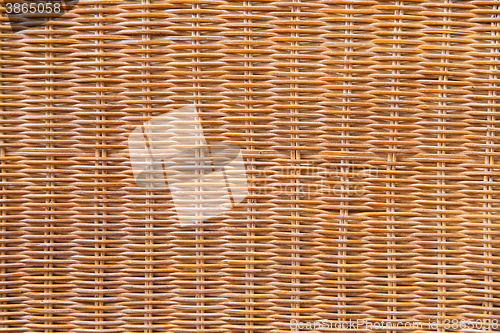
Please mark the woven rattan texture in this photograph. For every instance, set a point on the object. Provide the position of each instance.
(370, 132)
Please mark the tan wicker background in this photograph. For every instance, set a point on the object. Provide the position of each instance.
(370, 131)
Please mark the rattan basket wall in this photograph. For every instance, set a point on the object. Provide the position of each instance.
(370, 132)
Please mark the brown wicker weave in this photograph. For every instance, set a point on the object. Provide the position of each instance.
(369, 132)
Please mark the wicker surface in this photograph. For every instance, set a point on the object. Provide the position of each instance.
(369, 131)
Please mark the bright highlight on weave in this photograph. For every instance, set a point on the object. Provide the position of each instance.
(406, 89)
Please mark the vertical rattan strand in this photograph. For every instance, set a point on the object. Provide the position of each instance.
(345, 170)
(439, 183)
(49, 212)
(148, 307)
(99, 199)
(198, 287)
(296, 102)
(248, 279)
(394, 84)
(481, 201)
(12, 309)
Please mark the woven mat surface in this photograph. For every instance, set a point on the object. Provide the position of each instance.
(370, 135)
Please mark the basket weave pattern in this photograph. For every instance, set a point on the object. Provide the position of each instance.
(369, 132)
